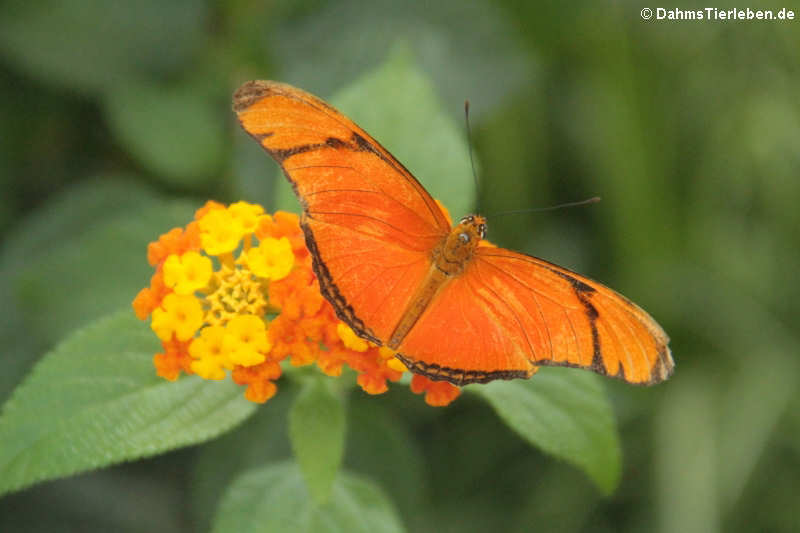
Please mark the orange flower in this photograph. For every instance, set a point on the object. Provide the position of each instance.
(259, 380)
(235, 292)
(174, 359)
(437, 393)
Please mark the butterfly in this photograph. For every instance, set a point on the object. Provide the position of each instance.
(452, 306)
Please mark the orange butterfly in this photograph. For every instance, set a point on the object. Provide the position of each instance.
(453, 306)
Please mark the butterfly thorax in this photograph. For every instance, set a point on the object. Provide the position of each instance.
(449, 260)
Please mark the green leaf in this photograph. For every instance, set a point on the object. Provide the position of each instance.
(263, 439)
(471, 49)
(69, 213)
(566, 413)
(78, 257)
(94, 273)
(92, 45)
(96, 400)
(397, 105)
(176, 132)
(253, 176)
(381, 446)
(317, 429)
(275, 498)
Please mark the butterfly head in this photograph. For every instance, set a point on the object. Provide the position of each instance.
(472, 226)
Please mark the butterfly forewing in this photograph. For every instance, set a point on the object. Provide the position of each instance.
(368, 222)
(341, 175)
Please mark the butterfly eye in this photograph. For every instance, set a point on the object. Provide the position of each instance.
(463, 237)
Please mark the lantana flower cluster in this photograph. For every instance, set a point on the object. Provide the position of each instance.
(234, 293)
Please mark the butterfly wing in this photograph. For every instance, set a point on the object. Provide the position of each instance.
(508, 309)
(369, 224)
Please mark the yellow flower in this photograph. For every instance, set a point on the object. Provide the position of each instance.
(214, 316)
(271, 259)
(350, 339)
(387, 354)
(220, 232)
(180, 315)
(209, 354)
(187, 273)
(246, 341)
(248, 215)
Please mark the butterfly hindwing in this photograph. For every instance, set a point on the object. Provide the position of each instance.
(570, 320)
(509, 311)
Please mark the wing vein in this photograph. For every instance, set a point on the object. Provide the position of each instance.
(382, 153)
(614, 328)
(510, 309)
(385, 245)
(538, 305)
(365, 178)
(357, 215)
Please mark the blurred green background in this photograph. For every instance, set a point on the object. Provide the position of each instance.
(116, 124)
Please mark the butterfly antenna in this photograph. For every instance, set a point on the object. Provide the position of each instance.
(472, 159)
(592, 200)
